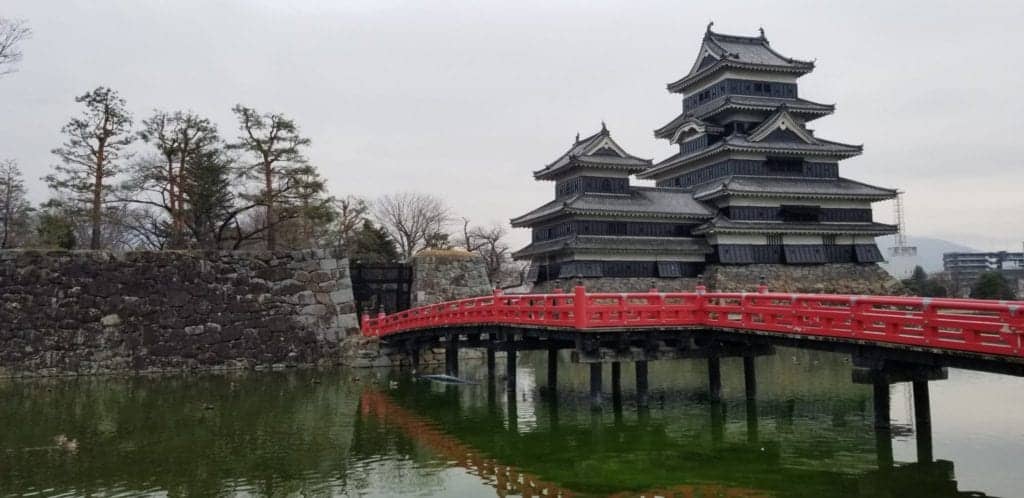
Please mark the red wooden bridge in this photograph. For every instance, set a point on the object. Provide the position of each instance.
(891, 339)
(969, 326)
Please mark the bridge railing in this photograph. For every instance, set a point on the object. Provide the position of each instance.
(989, 327)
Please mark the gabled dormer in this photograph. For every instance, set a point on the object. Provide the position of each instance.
(782, 127)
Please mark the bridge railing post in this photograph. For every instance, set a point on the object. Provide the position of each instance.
(1017, 321)
(700, 300)
(579, 307)
(929, 316)
(498, 305)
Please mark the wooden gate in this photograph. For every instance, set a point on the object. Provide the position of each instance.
(387, 285)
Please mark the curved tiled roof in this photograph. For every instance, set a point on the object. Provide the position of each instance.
(633, 245)
(643, 202)
(772, 186)
(724, 225)
(751, 52)
(805, 109)
(741, 143)
(588, 152)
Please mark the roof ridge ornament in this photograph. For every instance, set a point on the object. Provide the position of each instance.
(761, 30)
(710, 24)
(577, 137)
(604, 128)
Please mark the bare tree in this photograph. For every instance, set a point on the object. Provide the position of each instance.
(14, 208)
(12, 33)
(275, 143)
(90, 155)
(469, 242)
(411, 219)
(351, 213)
(489, 243)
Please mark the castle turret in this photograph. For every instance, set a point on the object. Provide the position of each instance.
(601, 226)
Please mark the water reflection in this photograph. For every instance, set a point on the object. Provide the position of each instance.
(809, 431)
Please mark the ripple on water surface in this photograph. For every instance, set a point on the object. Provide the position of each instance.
(809, 433)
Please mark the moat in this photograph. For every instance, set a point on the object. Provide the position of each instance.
(383, 433)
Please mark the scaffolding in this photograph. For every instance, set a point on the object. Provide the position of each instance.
(901, 248)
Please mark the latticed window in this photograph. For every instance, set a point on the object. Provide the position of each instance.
(828, 240)
(774, 239)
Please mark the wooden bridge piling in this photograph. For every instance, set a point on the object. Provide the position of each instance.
(616, 380)
(922, 421)
(552, 368)
(414, 356)
(451, 355)
(490, 364)
(714, 378)
(595, 386)
(641, 383)
(752, 429)
(749, 377)
(510, 363)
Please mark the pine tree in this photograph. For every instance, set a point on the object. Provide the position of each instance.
(304, 201)
(90, 155)
(274, 142)
(180, 138)
(55, 227)
(206, 193)
(371, 244)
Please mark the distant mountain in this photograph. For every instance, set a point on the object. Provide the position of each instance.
(929, 254)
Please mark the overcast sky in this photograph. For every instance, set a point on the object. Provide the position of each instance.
(466, 99)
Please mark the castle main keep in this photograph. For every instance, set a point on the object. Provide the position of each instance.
(751, 184)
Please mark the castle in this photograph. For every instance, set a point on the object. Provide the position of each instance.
(751, 184)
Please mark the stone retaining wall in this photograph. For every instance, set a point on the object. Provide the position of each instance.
(837, 278)
(834, 278)
(621, 284)
(88, 312)
(444, 275)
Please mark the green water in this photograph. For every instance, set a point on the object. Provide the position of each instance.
(382, 433)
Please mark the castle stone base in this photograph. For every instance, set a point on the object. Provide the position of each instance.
(609, 284)
(445, 275)
(834, 278)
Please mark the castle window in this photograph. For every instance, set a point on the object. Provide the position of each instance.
(774, 239)
(782, 166)
(798, 213)
(828, 240)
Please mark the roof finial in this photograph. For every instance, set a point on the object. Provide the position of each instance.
(577, 137)
(761, 29)
(603, 127)
(712, 23)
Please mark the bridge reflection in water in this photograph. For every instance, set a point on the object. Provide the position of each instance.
(815, 437)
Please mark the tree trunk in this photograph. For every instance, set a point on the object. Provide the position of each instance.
(97, 199)
(268, 179)
(172, 195)
(8, 209)
(179, 203)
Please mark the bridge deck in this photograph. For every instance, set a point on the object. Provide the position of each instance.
(993, 330)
